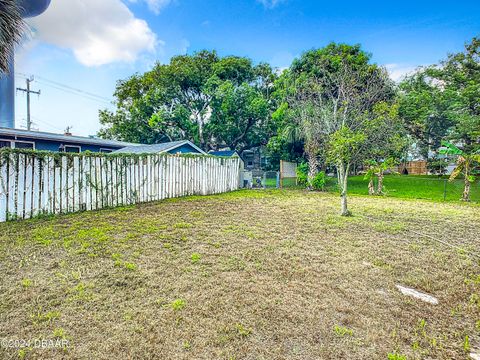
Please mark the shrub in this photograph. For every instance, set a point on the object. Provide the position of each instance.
(318, 182)
(437, 166)
(302, 174)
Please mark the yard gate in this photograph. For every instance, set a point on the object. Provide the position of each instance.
(35, 183)
(288, 174)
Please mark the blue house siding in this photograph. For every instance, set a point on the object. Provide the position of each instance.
(49, 145)
(56, 142)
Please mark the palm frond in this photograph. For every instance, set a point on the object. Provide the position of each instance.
(12, 28)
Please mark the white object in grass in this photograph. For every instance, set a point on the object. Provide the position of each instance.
(417, 294)
(475, 355)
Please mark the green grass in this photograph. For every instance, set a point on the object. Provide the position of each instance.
(413, 187)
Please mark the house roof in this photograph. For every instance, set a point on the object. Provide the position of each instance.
(158, 148)
(62, 138)
(226, 153)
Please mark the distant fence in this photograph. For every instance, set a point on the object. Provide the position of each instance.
(35, 183)
(288, 174)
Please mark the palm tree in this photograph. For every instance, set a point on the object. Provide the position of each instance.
(377, 169)
(465, 165)
(12, 27)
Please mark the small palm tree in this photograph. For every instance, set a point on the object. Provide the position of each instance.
(12, 28)
(465, 166)
(377, 169)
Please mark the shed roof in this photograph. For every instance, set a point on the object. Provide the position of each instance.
(226, 153)
(158, 148)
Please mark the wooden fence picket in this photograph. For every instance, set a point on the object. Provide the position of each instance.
(32, 184)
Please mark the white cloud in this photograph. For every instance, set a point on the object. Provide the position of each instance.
(98, 32)
(399, 71)
(155, 5)
(270, 4)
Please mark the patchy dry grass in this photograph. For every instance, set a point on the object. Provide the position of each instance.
(257, 275)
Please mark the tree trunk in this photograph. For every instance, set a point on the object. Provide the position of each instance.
(466, 190)
(201, 138)
(342, 171)
(312, 169)
(380, 183)
(345, 211)
(371, 187)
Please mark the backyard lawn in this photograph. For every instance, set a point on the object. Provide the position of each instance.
(259, 274)
(417, 187)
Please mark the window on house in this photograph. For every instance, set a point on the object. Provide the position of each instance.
(5, 144)
(23, 145)
(249, 163)
(103, 150)
(71, 149)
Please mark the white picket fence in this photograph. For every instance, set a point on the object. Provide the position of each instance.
(34, 183)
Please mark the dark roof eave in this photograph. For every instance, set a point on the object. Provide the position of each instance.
(63, 138)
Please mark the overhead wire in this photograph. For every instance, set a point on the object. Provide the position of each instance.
(68, 89)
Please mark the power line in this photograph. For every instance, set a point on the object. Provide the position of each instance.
(69, 89)
(74, 93)
(47, 123)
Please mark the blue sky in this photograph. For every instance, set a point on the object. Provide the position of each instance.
(88, 44)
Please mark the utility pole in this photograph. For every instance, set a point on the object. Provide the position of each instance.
(28, 91)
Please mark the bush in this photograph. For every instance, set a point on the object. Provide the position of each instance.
(302, 174)
(318, 182)
(437, 166)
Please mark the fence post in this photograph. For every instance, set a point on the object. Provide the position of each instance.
(279, 182)
(280, 177)
(445, 190)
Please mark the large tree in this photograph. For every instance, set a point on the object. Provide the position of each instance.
(12, 28)
(442, 101)
(214, 101)
(332, 97)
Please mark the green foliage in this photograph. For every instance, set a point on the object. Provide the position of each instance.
(437, 166)
(211, 100)
(344, 144)
(419, 108)
(466, 344)
(441, 101)
(396, 356)
(195, 258)
(26, 283)
(242, 330)
(13, 28)
(47, 317)
(59, 333)
(411, 187)
(302, 174)
(342, 331)
(130, 266)
(177, 304)
(340, 105)
(319, 181)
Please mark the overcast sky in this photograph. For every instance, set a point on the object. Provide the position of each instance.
(80, 48)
